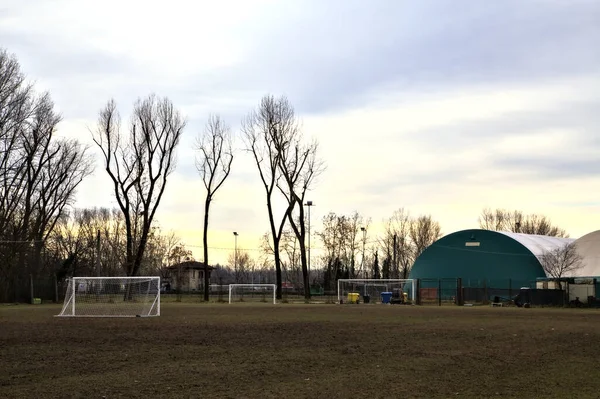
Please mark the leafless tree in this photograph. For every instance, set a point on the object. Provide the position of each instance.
(518, 222)
(263, 130)
(139, 165)
(39, 173)
(424, 231)
(342, 239)
(242, 265)
(215, 155)
(397, 246)
(561, 261)
(404, 239)
(73, 240)
(299, 166)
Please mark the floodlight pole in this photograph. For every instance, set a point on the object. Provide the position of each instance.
(362, 266)
(235, 236)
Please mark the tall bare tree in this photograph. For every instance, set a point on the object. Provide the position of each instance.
(299, 167)
(215, 155)
(561, 261)
(139, 165)
(518, 222)
(39, 173)
(262, 130)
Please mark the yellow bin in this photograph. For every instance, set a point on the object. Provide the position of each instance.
(353, 297)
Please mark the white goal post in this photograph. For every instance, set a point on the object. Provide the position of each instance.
(394, 290)
(252, 293)
(112, 297)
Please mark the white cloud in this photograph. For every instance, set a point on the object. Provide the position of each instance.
(448, 146)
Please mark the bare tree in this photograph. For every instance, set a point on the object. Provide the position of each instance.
(424, 231)
(518, 222)
(397, 245)
(299, 167)
(342, 239)
(140, 165)
(561, 261)
(214, 164)
(262, 130)
(242, 265)
(405, 238)
(39, 174)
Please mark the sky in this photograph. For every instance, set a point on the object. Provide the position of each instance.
(442, 107)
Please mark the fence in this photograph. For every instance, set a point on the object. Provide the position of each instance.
(24, 290)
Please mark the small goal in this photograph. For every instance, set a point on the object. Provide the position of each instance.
(264, 293)
(112, 297)
(377, 291)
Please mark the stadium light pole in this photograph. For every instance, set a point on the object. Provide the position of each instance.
(235, 236)
(362, 266)
(309, 204)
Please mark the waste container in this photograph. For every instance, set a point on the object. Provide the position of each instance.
(386, 297)
(353, 297)
(366, 298)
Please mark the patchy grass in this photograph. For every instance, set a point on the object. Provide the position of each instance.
(302, 351)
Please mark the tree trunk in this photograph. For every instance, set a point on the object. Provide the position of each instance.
(305, 276)
(205, 245)
(278, 293)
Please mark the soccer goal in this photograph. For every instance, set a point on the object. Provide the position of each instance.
(252, 293)
(377, 291)
(112, 297)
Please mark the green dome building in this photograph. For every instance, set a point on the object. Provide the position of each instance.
(485, 258)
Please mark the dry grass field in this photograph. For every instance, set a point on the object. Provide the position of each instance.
(302, 351)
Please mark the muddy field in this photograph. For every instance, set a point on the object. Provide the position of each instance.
(302, 351)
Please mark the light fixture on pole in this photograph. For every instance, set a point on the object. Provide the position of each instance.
(309, 204)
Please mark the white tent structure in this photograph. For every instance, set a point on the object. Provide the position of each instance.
(588, 247)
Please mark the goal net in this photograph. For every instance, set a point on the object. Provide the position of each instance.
(252, 293)
(377, 291)
(112, 297)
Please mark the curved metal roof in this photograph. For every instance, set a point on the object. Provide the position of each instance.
(538, 244)
(588, 248)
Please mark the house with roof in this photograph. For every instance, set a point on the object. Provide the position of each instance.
(186, 276)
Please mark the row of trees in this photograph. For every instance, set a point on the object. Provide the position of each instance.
(39, 173)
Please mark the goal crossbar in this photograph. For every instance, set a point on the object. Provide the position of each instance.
(250, 287)
(407, 286)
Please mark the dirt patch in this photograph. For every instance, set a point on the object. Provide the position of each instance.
(324, 351)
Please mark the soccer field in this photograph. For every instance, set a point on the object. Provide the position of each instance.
(302, 351)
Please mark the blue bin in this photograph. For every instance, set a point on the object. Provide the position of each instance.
(386, 297)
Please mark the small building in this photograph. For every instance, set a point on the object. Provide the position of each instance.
(186, 276)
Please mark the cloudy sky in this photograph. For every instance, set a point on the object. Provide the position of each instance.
(443, 107)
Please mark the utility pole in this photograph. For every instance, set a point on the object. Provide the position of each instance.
(98, 264)
(362, 261)
(395, 268)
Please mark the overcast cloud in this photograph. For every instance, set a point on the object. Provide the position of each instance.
(443, 107)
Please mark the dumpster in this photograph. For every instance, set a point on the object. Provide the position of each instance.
(353, 297)
(386, 297)
(366, 298)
